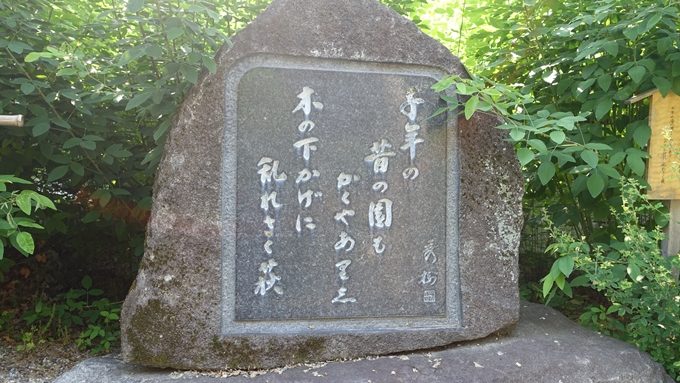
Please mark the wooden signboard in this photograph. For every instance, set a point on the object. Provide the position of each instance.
(663, 166)
(663, 169)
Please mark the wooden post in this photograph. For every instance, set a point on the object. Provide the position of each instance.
(671, 245)
(16, 120)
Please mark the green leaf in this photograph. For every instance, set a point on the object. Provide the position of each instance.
(35, 56)
(138, 100)
(636, 164)
(154, 51)
(72, 142)
(597, 146)
(611, 47)
(616, 158)
(88, 145)
(548, 282)
(612, 308)
(77, 168)
(70, 94)
(18, 47)
(653, 20)
(631, 32)
(525, 156)
(637, 73)
(66, 72)
(595, 184)
(43, 201)
(557, 136)
(471, 106)
(538, 145)
(12, 179)
(40, 129)
(86, 282)
(23, 201)
(93, 137)
(604, 81)
(104, 197)
(566, 265)
(27, 222)
(163, 127)
(2, 250)
(663, 85)
(174, 32)
(609, 171)
(90, 217)
(25, 242)
(190, 73)
(603, 107)
(546, 172)
(567, 290)
(135, 5)
(7, 226)
(641, 135)
(27, 88)
(209, 63)
(590, 157)
(57, 173)
(633, 271)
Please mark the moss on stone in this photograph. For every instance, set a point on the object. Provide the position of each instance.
(145, 325)
(237, 354)
(309, 350)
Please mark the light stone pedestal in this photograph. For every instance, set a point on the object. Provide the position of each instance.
(544, 347)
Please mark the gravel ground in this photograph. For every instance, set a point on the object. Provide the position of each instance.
(42, 365)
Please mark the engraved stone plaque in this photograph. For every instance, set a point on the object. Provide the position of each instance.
(311, 203)
(345, 205)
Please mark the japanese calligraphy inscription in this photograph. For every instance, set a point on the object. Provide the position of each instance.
(341, 194)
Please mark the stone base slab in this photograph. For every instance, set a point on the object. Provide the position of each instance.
(544, 347)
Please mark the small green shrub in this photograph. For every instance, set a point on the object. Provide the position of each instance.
(642, 291)
(28, 342)
(15, 215)
(82, 310)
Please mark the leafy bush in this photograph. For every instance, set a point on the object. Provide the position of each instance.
(639, 284)
(585, 59)
(99, 84)
(95, 318)
(15, 217)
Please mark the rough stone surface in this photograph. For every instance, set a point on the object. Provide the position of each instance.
(544, 347)
(178, 314)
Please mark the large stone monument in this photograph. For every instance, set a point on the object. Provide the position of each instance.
(309, 206)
